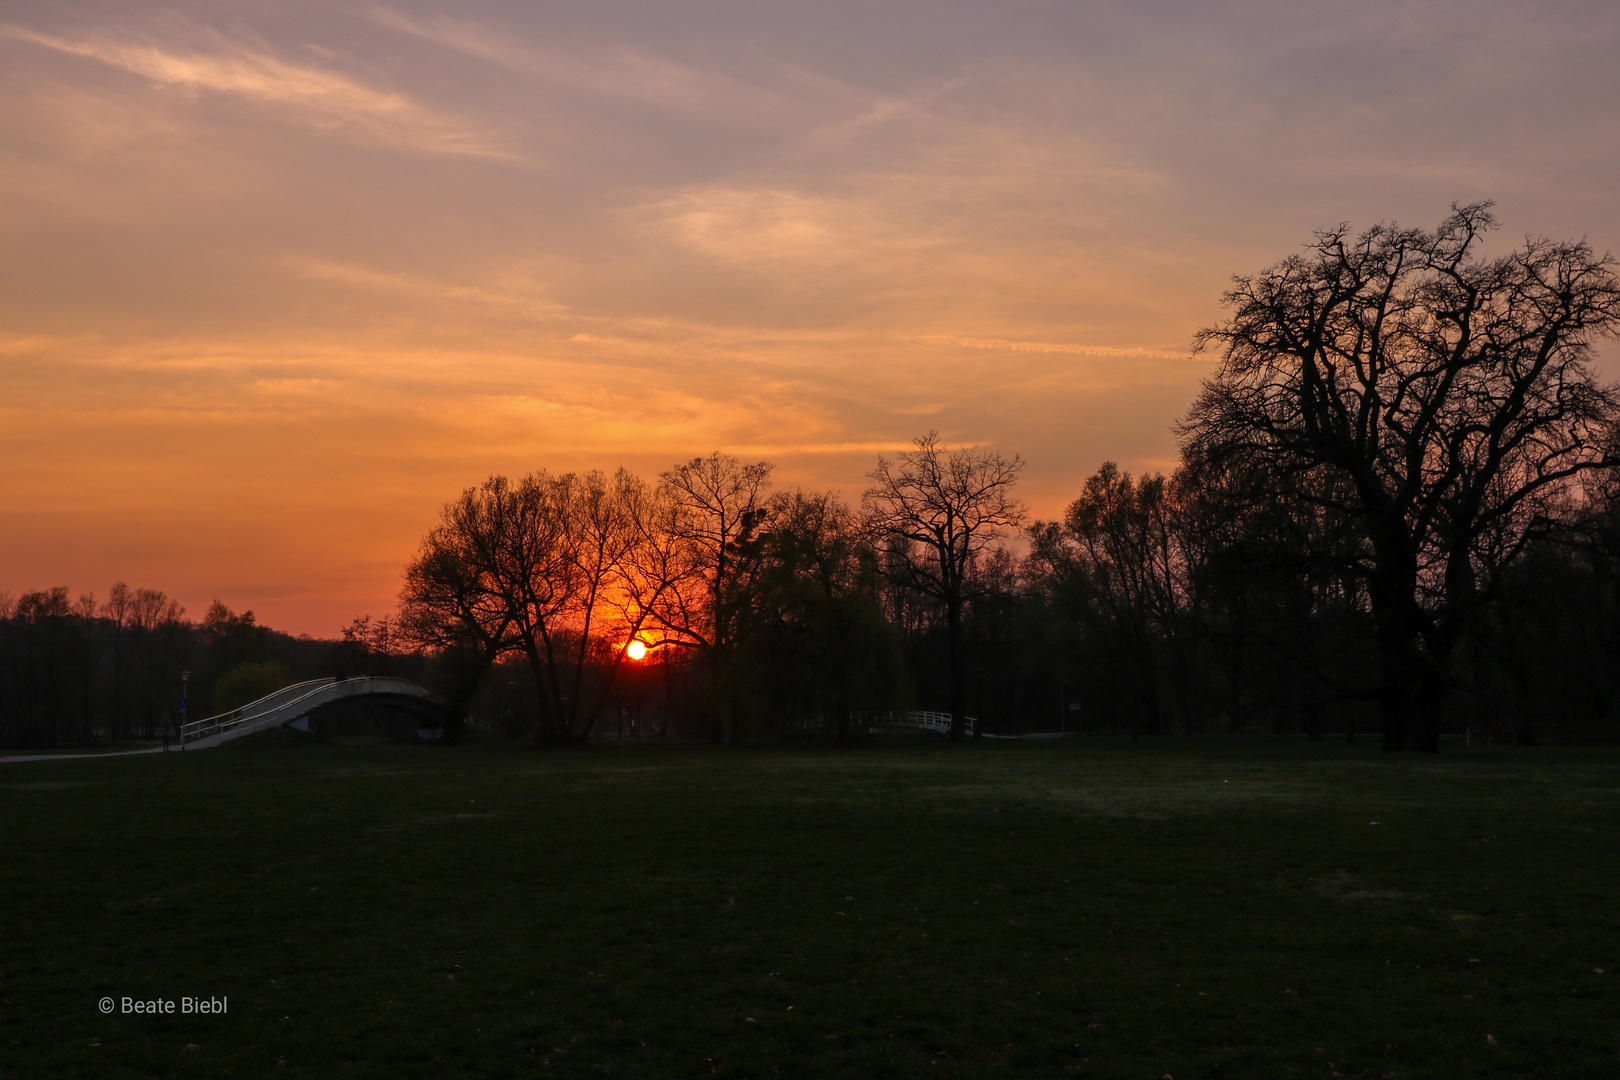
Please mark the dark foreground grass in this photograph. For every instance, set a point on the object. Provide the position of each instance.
(1179, 909)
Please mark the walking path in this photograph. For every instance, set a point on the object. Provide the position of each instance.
(63, 757)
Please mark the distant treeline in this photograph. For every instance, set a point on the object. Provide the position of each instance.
(1165, 605)
(1154, 607)
(1397, 511)
(78, 671)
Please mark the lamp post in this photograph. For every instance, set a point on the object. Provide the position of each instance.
(1063, 706)
(185, 686)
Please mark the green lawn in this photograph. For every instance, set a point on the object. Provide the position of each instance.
(1185, 908)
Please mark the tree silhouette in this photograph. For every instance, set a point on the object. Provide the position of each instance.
(721, 502)
(934, 511)
(1439, 401)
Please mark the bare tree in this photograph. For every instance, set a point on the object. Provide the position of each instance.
(618, 554)
(453, 600)
(935, 511)
(1121, 541)
(816, 638)
(563, 571)
(117, 611)
(1444, 401)
(721, 504)
(371, 637)
(160, 638)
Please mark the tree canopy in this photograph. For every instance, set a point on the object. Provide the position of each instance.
(1440, 402)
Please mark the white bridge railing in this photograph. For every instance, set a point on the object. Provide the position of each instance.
(292, 703)
(889, 722)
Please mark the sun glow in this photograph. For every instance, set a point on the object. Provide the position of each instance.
(636, 650)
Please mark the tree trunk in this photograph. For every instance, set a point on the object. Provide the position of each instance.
(1192, 721)
(546, 698)
(464, 669)
(1413, 696)
(1313, 709)
(953, 628)
(717, 704)
(1413, 691)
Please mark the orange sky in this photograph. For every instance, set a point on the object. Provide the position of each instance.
(284, 278)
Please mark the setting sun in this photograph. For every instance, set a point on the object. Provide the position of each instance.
(636, 650)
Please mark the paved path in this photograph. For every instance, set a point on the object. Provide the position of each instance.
(64, 757)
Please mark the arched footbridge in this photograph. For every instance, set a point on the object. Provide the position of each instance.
(292, 704)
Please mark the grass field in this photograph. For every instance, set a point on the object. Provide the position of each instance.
(1189, 909)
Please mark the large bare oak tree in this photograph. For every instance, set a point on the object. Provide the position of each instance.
(1444, 402)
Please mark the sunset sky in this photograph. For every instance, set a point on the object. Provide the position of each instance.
(282, 278)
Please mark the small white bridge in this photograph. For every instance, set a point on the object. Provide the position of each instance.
(886, 723)
(292, 704)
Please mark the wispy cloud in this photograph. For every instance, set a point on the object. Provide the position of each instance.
(325, 97)
(748, 225)
(517, 291)
(1001, 345)
(619, 71)
(889, 446)
(527, 296)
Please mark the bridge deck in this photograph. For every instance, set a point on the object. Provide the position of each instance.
(293, 703)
